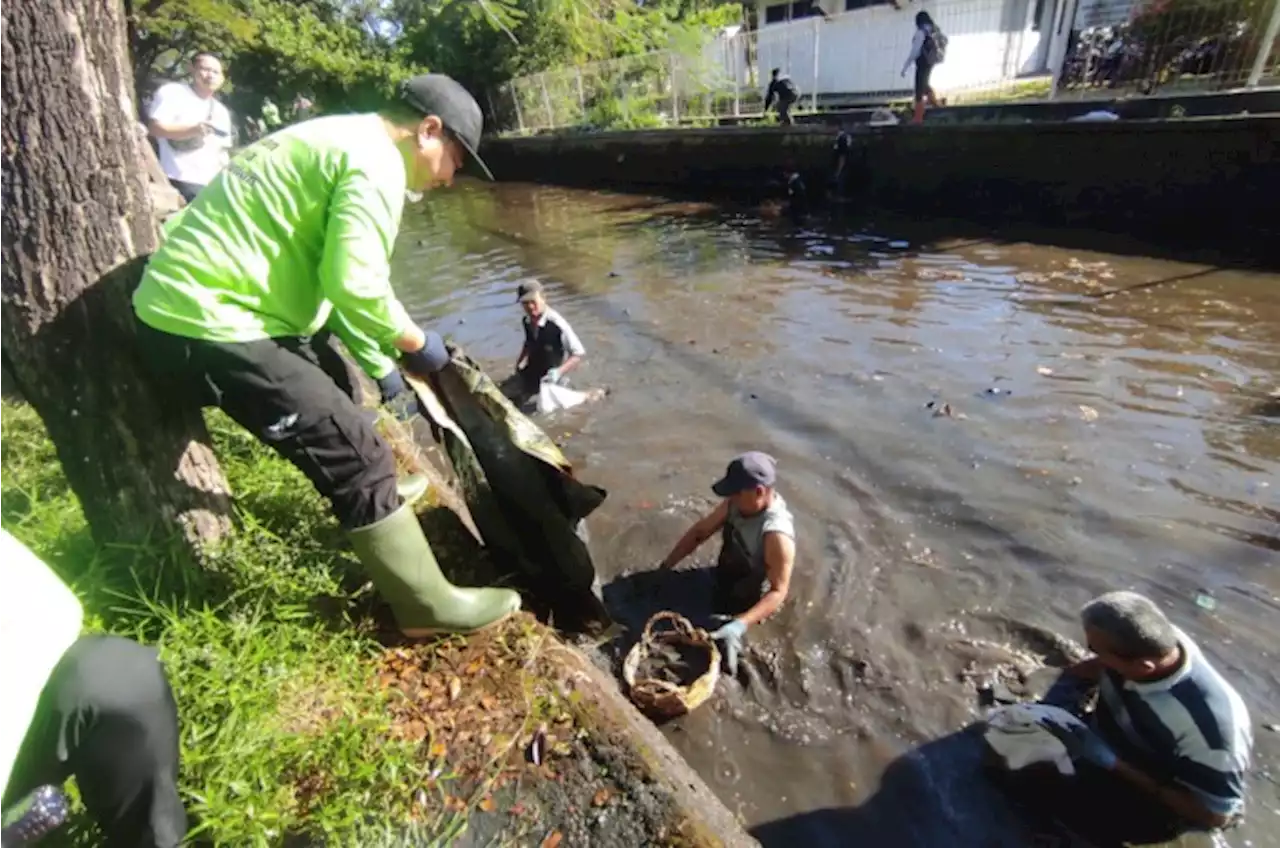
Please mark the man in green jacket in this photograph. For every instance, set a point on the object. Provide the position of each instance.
(97, 707)
(293, 237)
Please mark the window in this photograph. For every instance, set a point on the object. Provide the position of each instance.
(1037, 15)
(851, 5)
(793, 11)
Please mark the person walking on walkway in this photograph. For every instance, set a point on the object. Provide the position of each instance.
(296, 235)
(928, 48)
(783, 89)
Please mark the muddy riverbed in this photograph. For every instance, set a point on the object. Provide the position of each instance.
(975, 436)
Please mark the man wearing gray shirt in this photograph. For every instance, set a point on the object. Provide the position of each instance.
(757, 535)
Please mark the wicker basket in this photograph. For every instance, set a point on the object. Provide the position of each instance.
(660, 698)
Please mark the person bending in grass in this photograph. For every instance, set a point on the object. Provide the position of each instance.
(95, 707)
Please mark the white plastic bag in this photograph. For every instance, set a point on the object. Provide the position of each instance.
(553, 398)
(1014, 733)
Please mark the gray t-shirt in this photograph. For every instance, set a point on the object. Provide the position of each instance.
(748, 530)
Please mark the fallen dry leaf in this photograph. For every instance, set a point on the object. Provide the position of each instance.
(487, 804)
(1088, 413)
(488, 702)
(438, 750)
(552, 840)
(601, 798)
(455, 689)
(454, 804)
(1044, 370)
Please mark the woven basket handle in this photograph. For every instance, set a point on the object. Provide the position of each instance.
(662, 687)
(679, 624)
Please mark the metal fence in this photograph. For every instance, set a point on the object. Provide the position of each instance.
(998, 50)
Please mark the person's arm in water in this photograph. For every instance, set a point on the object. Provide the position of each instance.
(1180, 800)
(1202, 786)
(779, 557)
(704, 529)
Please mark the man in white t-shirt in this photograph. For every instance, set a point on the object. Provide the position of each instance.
(757, 551)
(193, 128)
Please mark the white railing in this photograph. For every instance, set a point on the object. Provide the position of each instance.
(998, 50)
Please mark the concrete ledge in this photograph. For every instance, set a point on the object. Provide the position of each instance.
(1207, 183)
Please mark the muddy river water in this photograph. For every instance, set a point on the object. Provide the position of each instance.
(1115, 423)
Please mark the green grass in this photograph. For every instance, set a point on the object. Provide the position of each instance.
(284, 730)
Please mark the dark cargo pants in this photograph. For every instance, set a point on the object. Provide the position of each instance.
(297, 396)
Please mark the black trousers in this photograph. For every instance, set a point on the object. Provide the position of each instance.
(187, 190)
(784, 111)
(297, 396)
(108, 717)
(923, 71)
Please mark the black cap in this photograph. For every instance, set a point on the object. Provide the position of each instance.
(746, 472)
(442, 96)
(528, 290)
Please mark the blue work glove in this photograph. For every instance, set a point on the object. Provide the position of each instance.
(433, 357)
(396, 395)
(1082, 744)
(552, 376)
(730, 634)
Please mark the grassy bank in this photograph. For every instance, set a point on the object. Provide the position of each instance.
(293, 716)
(304, 722)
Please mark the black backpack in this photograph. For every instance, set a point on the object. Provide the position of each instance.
(787, 88)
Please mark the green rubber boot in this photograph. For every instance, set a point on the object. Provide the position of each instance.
(412, 488)
(405, 572)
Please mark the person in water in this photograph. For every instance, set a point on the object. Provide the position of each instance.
(840, 152)
(797, 191)
(1168, 746)
(294, 237)
(757, 548)
(551, 348)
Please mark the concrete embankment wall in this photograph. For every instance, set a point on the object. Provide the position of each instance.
(1201, 183)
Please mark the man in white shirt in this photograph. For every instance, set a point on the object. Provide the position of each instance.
(551, 348)
(193, 128)
(757, 548)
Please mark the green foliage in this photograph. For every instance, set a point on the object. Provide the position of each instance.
(349, 54)
(1166, 28)
(283, 728)
(272, 48)
(612, 113)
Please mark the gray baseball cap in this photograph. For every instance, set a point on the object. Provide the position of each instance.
(444, 97)
(747, 471)
(528, 290)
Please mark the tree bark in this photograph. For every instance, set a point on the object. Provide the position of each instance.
(78, 224)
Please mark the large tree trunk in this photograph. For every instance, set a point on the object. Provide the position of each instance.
(78, 223)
